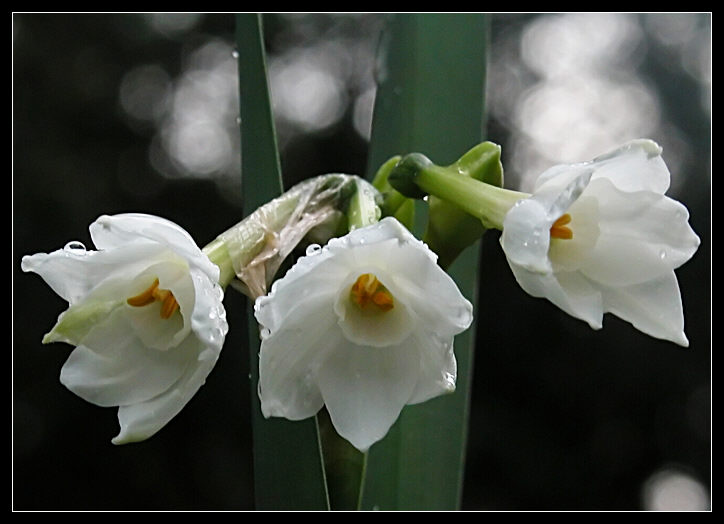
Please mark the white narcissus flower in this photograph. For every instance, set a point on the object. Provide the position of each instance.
(601, 236)
(145, 315)
(364, 326)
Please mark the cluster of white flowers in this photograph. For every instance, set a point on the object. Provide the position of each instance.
(364, 325)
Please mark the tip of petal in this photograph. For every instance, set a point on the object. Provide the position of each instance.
(648, 146)
(125, 438)
(681, 340)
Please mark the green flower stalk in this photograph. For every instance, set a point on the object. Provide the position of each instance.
(394, 203)
(470, 185)
(449, 229)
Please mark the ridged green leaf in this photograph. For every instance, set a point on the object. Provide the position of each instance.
(430, 99)
(288, 471)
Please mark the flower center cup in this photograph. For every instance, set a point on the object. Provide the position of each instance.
(369, 294)
(372, 311)
(169, 305)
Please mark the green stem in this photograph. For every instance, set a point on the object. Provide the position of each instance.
(311, 200)
(363, 209)
(363, 475)
(219, 255)
(488, 203)
(416, 176)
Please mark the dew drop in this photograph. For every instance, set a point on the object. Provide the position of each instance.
(75, 247)
(662, 254)
(265, 332)
(235, 53)
(313, 249)
(449, 379)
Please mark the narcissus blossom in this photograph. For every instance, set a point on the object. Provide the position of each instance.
(364, 326)
(145, 315)
(602, 236)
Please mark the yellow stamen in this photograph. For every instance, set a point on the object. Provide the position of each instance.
(368, 290)
(152, 294)
(144, 298)
(169, 306)
(559, 229)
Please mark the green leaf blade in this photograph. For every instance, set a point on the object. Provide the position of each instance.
(430, 100)
(288, 468)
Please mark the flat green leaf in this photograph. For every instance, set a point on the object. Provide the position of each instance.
(430, 99)
(288, 470)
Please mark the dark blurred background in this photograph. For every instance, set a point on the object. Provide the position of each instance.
(123, 112)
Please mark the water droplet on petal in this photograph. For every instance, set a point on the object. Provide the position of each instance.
(313, 249)
(235, 53)
(265, 332)
(75, 247)
(662, 254)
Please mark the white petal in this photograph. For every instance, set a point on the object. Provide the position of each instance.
(73, 274)
(429, 292)
(643, 235)
(526, 236)
(141, 420)
(653, 307)
(558, 187)
(635, 166)
(365, 388)
(571, 254)
(382, 231)
(526, 227)
(290, 358)
(208, 320)
(311, 275)
(570, 291)
(113, 367)
(438, 367)
(78, 320)
(115, 231)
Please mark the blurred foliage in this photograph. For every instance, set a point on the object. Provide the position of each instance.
(121, 112)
